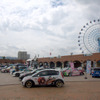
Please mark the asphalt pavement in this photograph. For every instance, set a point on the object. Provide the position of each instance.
(7, 79)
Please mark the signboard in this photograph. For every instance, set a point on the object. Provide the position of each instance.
(71, 65)
(94, 64)
(88, 66)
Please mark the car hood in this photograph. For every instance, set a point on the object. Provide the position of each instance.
(25, 73)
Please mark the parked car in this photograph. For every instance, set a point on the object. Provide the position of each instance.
(2, 67)
(81, 69)
(67, 72)
(75, 72)
(29, 73)
(6, 70)
(19, 68)
(44, 77)
(12, 71)
(96, 72)
(17, 73)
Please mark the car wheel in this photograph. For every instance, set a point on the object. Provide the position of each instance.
(59, 83)
(81, 73)
(29, 84)
(17, 74)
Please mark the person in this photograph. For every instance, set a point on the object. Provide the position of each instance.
(17, 68)
(84, 68)
(35, 66)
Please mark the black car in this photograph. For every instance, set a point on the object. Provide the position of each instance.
(29, 73)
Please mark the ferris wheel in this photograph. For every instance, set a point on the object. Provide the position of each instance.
(89, 37)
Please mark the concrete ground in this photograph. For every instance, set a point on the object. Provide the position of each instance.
(7, 79)
(75, 88)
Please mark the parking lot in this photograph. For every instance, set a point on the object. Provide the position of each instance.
(7, 79)
(75, 88)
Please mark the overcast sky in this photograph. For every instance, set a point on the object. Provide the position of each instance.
(44, 26)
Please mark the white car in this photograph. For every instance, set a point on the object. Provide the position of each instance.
(44, 77)
(17, 73)
(29, 73)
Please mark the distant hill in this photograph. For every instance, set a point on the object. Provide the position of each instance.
(2, 57)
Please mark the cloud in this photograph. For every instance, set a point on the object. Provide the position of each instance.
(42, 26)
(90, 8)
(56, 3)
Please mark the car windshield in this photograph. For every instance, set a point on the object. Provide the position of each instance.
(35, 71)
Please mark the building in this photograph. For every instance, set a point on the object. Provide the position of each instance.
(78, 60)
(10, 61)
(28, 56)
(23, 55)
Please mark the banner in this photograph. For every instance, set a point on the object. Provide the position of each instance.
(88, 66)
(94, 64)
(72, 65)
